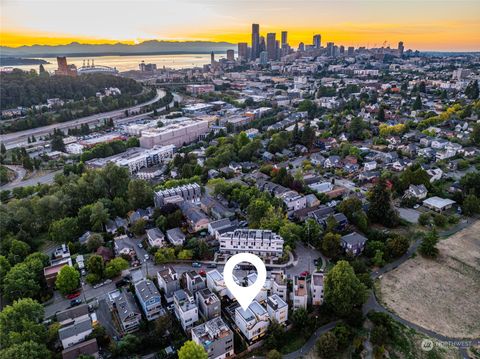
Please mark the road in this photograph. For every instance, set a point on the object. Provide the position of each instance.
(13, 139)
(46, 178)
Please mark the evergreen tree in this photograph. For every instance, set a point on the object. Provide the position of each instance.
(471, 90)
(428, 247)
(381, 114)
(381, 208)
(417, 105)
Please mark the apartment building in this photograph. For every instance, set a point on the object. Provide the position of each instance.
(216, 283)
(316, 288)
(167, 280)
(253, 322)
(299, 294)
(264, 243)
(194, 281)
(277, 309)
(190, 192)
(177, 134)
(149, 299)
(186, 310)
(208, 304)
(136, 158)
(216, 338)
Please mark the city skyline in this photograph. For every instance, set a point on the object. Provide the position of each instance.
(434, 25)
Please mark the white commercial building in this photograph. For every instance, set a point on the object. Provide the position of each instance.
(253, 322)
(264, 243)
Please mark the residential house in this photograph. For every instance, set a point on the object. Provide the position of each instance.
(353, 243)
(215, 337)
(277, 309)
(186, 310)
(208, 304)
(194, 281)
(128, 313)
(196, 219)
(438, 204)
(175, 236)
(253, 322)
(299, 294)
(75, 332)
(155, 237)
(278, 283)
(149, 299)
(168, 282)
(88, 348)
(418, 192)
(316, 288)
(216, 283)
(435, 174)
(262, 294)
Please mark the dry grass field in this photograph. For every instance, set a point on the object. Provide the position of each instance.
(443, 294)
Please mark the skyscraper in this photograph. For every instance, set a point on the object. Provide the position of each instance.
(271, 46)
(317, 41)
(230, 55)
(330, 49)
(301, 47)
(400, 48)
(351, 50)
(284, 39)
(255, 41)
(243, 51)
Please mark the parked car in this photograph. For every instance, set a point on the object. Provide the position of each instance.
(147, 257)
(202, 273)
(212, 265)
(73, 295)
(305, 274)
(75, 302)
(196, 265)
(140, 245)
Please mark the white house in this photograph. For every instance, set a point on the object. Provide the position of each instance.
(216, 283)
(435, 174)
(253, 322)
(186, 310)
(299, 294)
(438, 204)
(155, 237)
(75, 332)
(277, 309)
(278, 283)
(369, 166)
(316, 288)
(262, 294)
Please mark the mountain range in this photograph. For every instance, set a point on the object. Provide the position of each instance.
(147, 47)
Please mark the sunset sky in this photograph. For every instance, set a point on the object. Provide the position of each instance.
(422, 24)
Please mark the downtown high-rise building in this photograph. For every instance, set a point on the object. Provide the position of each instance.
(230, 55)
(284, 39)
(301, 47)
(255, 41)
(350, 51)
(242, 51)
(317, 41)
(330, 49)
(271, 46)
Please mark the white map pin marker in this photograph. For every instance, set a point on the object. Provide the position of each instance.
(245, 295)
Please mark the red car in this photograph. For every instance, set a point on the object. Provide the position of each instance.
(73, 295)
(202, 273)
(304, 274)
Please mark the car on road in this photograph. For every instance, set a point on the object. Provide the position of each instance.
(72, 295)
(146, 256)
(212, 265)
(305, 274)
(202, 273)
(83, 272)
(75, 302)
(196, 265)
(140, 245)
(416, 206)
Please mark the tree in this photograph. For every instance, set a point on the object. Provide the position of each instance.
(256, 210)
(185, 254)
(397, 246)
(343, 290)
(381, 114)
(67, 280)
(440, 220)
(471, 205)
(475, 134)
(275, 335)
(64, 230)
(327, 346)
(95, 265)
(26, 350)
(20, 282)
(128, 345)
(355, 131)
(191, 350)
(428, 247)
(312, 231)
(164, 255)
(18, 251)
(99, 216)
(417, 105)
(57, 143)
(377, 259)
(4, 269)
(300, 320)
(22, 322)
(331, 245)
(274, 354)
(138, 228)
(424, 219)
(94, 241)
(381, 208)
(115, 267)
(140, 194)
(471, 91)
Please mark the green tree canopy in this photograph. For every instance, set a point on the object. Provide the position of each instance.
(191, 350)
(68, 280)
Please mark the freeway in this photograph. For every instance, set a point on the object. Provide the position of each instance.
(14, 139)
(46, 178)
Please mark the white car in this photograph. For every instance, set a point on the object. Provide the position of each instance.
(147, 257)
